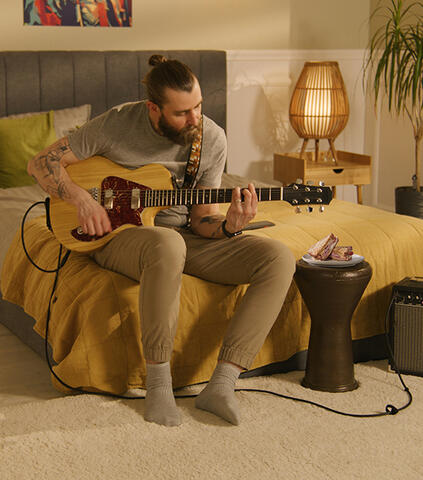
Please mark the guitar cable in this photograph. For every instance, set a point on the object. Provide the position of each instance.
(46, 204)
(389, 408)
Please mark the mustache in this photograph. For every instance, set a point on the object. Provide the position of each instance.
(190, 132)
(182, 137)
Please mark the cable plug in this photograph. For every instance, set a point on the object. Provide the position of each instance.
(391, 410)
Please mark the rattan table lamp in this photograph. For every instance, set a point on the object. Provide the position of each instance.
(319, 105)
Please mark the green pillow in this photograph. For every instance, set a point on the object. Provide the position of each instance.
(20, 140)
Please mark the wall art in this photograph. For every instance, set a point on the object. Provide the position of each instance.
(78, 13)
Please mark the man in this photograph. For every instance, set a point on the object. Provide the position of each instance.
(161, 130)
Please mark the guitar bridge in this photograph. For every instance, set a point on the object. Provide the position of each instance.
(94, 193)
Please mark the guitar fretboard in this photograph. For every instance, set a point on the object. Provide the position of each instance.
(160, 198)
(118, 191)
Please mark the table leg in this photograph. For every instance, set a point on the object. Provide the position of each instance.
(359, 194)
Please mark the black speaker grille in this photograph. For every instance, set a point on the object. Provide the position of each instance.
(407, 335)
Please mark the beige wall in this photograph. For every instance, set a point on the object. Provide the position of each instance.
(204, 24)
(329, 24)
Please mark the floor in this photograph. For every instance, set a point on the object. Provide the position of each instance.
(24, 375)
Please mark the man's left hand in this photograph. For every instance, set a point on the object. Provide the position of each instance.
(241, 212)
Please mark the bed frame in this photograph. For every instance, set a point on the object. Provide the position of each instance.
(33, 81)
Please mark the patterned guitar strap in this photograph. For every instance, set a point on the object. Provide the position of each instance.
(193, 163)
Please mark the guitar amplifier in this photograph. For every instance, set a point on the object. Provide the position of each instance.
(406, 326)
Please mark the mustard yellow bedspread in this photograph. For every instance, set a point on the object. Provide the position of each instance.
(94, 328)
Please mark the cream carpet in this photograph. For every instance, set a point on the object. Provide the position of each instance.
(44, 435)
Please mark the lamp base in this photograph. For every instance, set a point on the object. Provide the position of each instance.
(316, 149)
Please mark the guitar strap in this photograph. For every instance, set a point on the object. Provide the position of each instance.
(193, 163)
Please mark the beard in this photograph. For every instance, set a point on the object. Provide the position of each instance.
(183, 137)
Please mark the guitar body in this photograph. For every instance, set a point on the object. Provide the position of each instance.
(100, 174)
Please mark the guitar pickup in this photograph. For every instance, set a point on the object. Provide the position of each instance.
(108, 199)
(135, 198)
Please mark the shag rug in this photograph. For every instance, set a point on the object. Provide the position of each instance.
(96, 437)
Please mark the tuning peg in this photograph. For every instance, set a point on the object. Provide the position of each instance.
(309, 209)
(321, 208)
(297, 209)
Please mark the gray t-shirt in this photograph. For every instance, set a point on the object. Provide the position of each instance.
(125, 136)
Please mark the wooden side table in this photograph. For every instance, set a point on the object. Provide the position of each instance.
(351, 169)
(331, 295)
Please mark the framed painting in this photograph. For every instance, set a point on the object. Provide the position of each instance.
(78, 13)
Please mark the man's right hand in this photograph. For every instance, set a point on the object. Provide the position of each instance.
(93, 217)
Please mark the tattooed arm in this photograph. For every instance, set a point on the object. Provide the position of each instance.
(206, 220)
(49, 170)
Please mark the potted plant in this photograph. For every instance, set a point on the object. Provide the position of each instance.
(395, 68)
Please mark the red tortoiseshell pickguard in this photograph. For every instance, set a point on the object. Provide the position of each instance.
(121, 213)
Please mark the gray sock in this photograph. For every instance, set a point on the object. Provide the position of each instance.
(160, 405)
(219, 395)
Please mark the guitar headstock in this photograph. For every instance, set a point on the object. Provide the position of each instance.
(298, 194)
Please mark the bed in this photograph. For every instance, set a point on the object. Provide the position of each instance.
(94, 332)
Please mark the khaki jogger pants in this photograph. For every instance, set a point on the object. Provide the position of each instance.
(157, 257)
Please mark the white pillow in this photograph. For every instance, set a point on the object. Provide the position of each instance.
(66, 120)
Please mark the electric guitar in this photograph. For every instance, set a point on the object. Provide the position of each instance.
(134, 197)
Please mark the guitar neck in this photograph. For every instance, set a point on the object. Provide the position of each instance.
(160, 198)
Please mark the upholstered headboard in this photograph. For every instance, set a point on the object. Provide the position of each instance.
(33, 81)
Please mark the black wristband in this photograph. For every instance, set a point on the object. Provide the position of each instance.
(229, 234)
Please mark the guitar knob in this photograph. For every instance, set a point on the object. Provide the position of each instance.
(309, 209)
(79, 231)
(321, 183)
(299, 181)
(321, 208)
(297, 209)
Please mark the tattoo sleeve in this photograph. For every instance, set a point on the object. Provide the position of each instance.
(49, 167)
(214, 219)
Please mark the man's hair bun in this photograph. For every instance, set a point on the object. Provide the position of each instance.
(167, 73)
(156, 60)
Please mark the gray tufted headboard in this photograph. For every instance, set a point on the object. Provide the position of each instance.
(32, 81)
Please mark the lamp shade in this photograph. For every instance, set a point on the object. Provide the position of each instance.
(319, 105)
